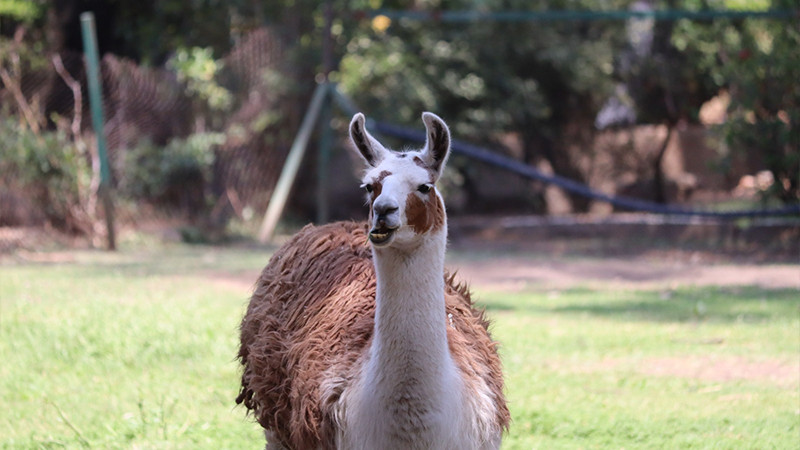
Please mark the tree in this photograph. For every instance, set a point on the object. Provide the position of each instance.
(529, 78)
(757, 62)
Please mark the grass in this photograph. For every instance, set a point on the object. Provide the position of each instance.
(136, 350)
(123, 351)
(640, 369)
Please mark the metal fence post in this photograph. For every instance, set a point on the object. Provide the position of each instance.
(96, 103)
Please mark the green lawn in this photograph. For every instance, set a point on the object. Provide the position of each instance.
(136, 350)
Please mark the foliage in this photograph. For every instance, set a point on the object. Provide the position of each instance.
(21, 57)
(757, 62)
(764, 115)
(543, 81)
(151, 31)
(197, 68)
(151, 172)
(546, 82)
(21, 10)
(50, 168)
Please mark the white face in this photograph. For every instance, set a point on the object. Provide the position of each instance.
(403, 199)
(401, 192)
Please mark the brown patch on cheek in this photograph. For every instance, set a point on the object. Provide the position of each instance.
(423, 216)
(377, 187)
(438, 212)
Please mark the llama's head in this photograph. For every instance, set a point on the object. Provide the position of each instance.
(401, 186)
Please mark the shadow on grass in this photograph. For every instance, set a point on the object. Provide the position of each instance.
(748, 304)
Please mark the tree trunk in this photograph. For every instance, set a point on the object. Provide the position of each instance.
(659, 187)
(561, 162)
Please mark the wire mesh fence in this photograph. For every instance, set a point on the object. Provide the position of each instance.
(623, 105)
(194, 144)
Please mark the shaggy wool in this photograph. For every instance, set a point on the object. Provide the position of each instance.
(309, 324)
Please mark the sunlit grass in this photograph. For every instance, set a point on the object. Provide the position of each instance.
(136, 350)
(125, 352)
(689, 368)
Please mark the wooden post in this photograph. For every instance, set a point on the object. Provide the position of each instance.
(96, 103)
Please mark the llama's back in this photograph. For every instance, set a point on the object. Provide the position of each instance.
(311, 319)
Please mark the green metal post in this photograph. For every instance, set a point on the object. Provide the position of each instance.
(96, 103)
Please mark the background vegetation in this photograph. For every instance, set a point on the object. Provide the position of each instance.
(237, 75)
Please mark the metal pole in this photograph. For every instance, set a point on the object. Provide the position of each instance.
(96, 103)
(292, 165)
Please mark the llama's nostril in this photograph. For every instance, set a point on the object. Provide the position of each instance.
(384, 210)
(382, 213)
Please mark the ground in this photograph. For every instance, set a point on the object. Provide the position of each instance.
(626, 251)
(642, 272)
(511, 253)
(620, 333)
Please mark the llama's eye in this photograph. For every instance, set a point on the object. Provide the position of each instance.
(424, 188)
(367, 187)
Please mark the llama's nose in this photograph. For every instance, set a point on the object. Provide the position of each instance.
(382, 212)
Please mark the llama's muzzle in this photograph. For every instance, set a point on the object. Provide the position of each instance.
(381, 235)
(386, 221)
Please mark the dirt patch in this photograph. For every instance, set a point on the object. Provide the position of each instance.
(519, 273)
(626, 251)
(32, 239)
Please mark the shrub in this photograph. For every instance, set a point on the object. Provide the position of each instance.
(48, 171)
(174, 175)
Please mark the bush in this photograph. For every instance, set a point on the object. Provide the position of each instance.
(174, 175)
(46, 172)
(756, 61)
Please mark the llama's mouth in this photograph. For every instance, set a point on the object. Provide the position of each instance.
(380, 236)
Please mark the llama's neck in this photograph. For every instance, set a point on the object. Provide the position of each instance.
(410, 325)
(410, 375)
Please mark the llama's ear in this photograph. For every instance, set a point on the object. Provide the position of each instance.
(368, 147)
(437, 143)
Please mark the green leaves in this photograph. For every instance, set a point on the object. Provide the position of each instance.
(197, 68)
(21, 10)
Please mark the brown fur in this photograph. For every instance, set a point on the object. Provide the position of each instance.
(311, 319)
(377, 187)
(382, 176)
(431, 171)
(422, 218)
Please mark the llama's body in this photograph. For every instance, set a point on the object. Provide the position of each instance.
(357, 346)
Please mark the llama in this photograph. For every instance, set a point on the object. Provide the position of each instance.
(356, 338)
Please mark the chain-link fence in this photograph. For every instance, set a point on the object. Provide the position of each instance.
(653, 107)
(192, 142)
